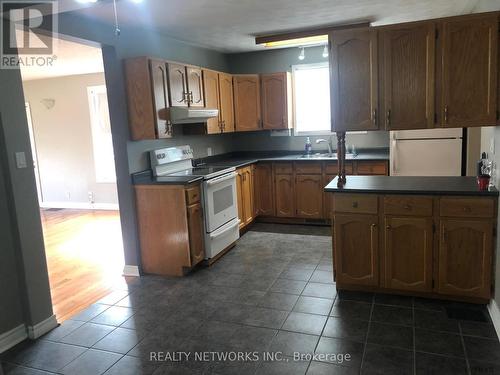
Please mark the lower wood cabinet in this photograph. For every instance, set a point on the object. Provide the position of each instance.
(408, 253)
(465, 252)
(245, 193)
(309, 196)
(196, 233)
(357, 263)
(285, 202)
(423, 248)
(263, 189)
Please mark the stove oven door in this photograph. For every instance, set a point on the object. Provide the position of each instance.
(220, 201)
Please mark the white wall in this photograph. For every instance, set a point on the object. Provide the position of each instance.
(64, 141)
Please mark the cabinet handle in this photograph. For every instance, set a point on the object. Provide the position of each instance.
(374, 225)
(374, 116)
(190, 97)
(388, 118)
(388, 227)
(445, 114)
(354, 204)
(407, 207)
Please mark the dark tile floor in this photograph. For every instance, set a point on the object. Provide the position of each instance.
(272, 293)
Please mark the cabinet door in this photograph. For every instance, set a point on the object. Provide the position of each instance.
(195, 87)
(408, 76)
(465, 251)
(284, 186)
(328, 197)
(196, 232)
(247, 102)
(469, 72)
(239, 193)
(177, 85)
(309, 196)
(263, 190)
(356, 249)
(160, 94)
(226, 102)
(274, 100)
(211, 88)
(354, 80)
(247, 192)
(408, 253)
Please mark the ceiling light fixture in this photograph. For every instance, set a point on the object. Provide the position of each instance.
(302, 54)
(297, 42)
(325, 51)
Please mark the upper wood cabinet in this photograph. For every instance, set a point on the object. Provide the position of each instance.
(276, 100)
(177, 85)
(465, 252)
(408, 253)
(211, 91)
(356, 249)
(195, 86)
(407, 56)
(147, 98)
(264, 189)
(226, 102)
(354, 79)
(247, 102)
(469, 71)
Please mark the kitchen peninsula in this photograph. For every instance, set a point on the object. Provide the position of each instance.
(422, 236)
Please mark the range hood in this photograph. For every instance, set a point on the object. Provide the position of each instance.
(186, 115)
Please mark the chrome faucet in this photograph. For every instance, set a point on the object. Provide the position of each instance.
(328, 143)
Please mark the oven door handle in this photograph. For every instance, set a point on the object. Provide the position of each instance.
(219, 233)
(215, 181)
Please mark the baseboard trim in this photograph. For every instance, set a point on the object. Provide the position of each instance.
(12, 337)
(495, 315)
(42, 328)
(129, 270)
(81, 205)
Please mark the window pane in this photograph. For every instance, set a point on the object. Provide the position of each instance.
(312, 97)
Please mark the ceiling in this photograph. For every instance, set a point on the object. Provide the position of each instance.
(72, 58)
(231, 25)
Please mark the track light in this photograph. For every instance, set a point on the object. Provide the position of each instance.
(325, 51)
(302, 54)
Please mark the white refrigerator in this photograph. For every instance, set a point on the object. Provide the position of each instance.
(429, 152)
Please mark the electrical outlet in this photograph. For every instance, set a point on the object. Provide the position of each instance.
(68, 195)
(91, 197)
(209, 151)
(21, 160)
(492, 146)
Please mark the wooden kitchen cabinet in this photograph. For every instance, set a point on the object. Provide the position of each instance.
(465, 252)
(245, 193)
(469, 71)
(177, 85)
(196, 233)
(211, 91)
(356, 249)
(285, 197)
(309, 196)
(354, 79)
(276, 93)
(264, 189)
(226, 102)
(247, 102)
(407, 79)
(408, 253)
(195, 86)
(147, 97)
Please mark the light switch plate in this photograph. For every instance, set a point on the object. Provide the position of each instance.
(21, 160)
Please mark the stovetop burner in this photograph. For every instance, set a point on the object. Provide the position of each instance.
(205, 171)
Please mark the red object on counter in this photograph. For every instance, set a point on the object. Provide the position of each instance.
(483, 182)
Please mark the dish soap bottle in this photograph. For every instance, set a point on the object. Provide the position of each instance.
(308, 146)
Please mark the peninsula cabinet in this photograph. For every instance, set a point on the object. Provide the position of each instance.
(245, 194)
(425, 245)
(276, 93)
(218, 92)
(407, 81)
(147, 97)
(469, 71)
(170, 244)
(247, 113)
(354, 79)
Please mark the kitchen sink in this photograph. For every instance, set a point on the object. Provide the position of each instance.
(325, 156)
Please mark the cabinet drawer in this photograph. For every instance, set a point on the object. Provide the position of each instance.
(333, 168)
(193, 195)
(467, 207)
(414, 206)
(308, 168)
(372, 167)
(355, 203)
(283, 168)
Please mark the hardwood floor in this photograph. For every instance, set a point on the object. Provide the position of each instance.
(84, 256)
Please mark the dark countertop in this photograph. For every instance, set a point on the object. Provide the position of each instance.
(147, 178)
(410, 185)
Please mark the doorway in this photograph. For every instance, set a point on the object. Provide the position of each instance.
(73, 160)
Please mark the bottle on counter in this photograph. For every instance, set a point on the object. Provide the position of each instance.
(309, 146)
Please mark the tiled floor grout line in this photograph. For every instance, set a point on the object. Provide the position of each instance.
(367, 333)
(465, 349)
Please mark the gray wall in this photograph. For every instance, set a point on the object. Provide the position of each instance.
(63, 138)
